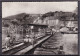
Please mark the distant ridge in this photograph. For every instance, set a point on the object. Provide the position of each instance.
(20, 15)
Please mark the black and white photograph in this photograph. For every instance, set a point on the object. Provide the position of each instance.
(40, 28)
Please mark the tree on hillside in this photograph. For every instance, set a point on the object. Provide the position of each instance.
(75, 16)
(6, 25)
(63, 18)
(47, 15)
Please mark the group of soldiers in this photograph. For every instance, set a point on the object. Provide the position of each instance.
(10, 41)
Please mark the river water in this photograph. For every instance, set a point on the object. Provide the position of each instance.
(51, 46)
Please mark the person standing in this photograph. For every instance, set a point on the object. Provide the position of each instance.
(7, 42)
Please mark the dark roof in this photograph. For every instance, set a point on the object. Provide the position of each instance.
(38, 25)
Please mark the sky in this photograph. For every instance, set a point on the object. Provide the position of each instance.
(12, 8)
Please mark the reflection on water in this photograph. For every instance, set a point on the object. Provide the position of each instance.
(69, 42)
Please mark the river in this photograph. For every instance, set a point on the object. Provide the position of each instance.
(51, 46)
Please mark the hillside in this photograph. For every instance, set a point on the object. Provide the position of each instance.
(21, 18)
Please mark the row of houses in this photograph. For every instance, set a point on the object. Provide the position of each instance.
(55, 20)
